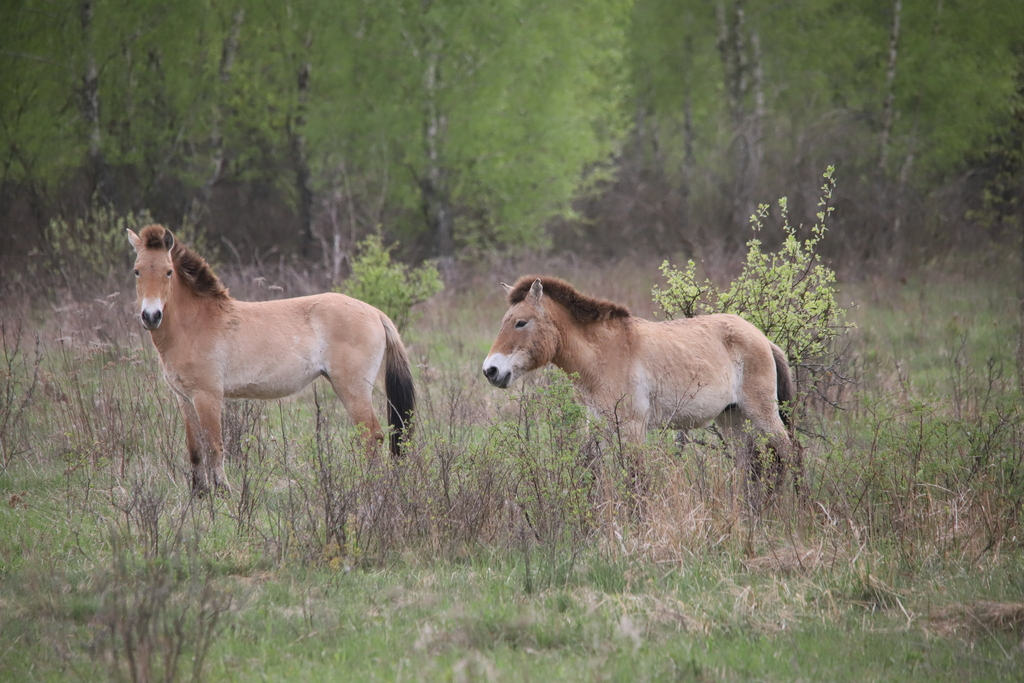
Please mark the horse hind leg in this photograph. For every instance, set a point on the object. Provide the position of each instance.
(352, 371)
(763, 447)
(772, 455)
(357, 397)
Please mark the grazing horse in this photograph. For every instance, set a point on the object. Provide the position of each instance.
(679, 374)
(214, 347)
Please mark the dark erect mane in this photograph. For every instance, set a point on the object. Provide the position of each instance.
(583, 308)
(196, 273)
(193, 269)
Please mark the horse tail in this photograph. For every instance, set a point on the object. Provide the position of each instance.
(398, 386)
(783, 381)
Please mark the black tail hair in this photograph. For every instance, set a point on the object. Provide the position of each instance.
(784, 383)
(398, 387)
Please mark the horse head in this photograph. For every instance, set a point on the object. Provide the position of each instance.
(153, 270)
(527, 340)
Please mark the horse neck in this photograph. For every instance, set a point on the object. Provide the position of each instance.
(184, 312)
(587, 348)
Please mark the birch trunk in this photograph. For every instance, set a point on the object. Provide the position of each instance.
(433, 185)
(888, 113)
(300, 161)
(91, 98)
(201, 200)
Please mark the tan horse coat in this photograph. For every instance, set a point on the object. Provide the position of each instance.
(636, 373)
(214, 347)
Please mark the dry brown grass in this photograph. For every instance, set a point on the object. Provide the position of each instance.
(982, 617)
(790, 559)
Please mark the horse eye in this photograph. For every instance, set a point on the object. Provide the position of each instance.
(169, 273)
(520, 324)
(136, 272)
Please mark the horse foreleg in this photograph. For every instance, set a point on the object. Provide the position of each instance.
(195, 448)
(630, 436)
(202, 433)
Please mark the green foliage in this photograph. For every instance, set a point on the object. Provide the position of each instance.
(86, 251)
(789, 295)
(825, 65)
(511, 103)
(530, 99)
(93, 252)
(1003, 195)
(527, 95)
(553, 482)
(392, 287)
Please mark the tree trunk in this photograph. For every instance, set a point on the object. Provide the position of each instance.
(433, 184)
(299, 159)
(1020, 327)
(890, 77)
(756, 144)
(730, 64)
(740, 78)
(91, 101)
(201, 200)
(689, 161)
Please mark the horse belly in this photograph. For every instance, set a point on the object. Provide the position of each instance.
(266, 378)
(266, 390)
(691, 404)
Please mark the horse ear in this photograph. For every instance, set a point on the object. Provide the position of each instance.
(135, 240)
(536, 290)
(168, 239)
(508, 288)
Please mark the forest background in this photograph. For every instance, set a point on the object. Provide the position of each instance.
(301, 146)
(604, 128)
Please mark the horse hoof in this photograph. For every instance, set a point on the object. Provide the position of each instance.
(200, 486)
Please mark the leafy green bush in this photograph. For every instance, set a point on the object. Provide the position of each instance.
(85, 253)
(789, 295)
(392, 287)
(552, 478)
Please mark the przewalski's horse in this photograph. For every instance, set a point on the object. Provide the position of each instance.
(679, 374)
(214, 347)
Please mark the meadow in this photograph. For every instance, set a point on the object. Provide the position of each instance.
(491, 552)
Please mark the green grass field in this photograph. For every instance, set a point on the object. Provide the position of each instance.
(490, 553)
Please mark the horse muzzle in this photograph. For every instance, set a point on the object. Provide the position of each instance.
(498, 371)
(151, 319)
(499, 380)
(151, 312)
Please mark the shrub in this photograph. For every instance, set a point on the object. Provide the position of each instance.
(90, 251)
(392, 287)
(552, 482)
(83, 254)
(161, 611)
(789, 295)
(19, 377)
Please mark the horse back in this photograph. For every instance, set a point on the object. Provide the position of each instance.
(270, 349)
(301, 319)
(693, 368)
(717, 340)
